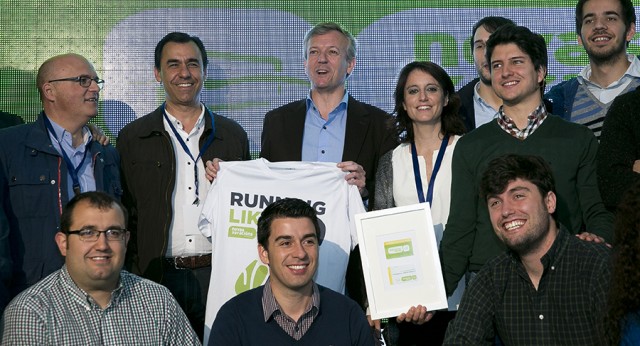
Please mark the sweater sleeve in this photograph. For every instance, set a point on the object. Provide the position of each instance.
(596, 218)
(384, 183)
(457, 240)
(618, 151)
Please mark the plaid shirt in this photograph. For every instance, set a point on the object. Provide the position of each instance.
(534, 120)
(57, 312)
(296, 330)
(566, 309)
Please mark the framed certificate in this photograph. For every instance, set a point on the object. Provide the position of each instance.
(400, 260)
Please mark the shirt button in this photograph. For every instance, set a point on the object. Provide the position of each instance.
(541, 317)
(324, 127)
(297, 329)
(322, 151)
(53, 182)
(553, 268)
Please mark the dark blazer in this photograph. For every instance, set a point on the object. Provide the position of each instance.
(148, 177)
(367, 136)
(467, 110)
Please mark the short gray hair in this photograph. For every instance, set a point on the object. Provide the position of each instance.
(323, 28)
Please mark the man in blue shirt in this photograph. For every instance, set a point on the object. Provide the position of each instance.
(45, 163)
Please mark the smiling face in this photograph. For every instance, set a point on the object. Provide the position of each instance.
(603, 34)
(326, 64)
(94, 265)
(424, 98)
(479, 58)
(292, 254)
(68, 101)
(521, 217)
(514, 78)
(181, 74)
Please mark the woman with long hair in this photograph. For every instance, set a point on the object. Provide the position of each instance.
(419, 169)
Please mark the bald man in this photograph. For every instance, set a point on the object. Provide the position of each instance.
(45, 163)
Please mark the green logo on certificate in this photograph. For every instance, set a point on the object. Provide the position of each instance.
(398, 248)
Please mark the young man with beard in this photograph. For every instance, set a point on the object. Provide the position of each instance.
(479, 103)
(518, 65)
(604, 29)
(550, 287)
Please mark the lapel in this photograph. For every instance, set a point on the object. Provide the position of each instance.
(295, 129)
(356, 131)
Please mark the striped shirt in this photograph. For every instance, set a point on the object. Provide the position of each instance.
(272, 309)
(55, 311)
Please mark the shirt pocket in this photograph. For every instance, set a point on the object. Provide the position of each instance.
(32, 191)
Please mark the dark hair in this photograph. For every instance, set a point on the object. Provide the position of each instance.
(284, 208)
(95, 199)
(504, 169)
(624, 296)
(323, 28)
(491, 24)
(628, 14)
(530, 43)
(180, 37)
(450, 120)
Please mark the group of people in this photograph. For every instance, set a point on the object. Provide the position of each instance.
(510, 174)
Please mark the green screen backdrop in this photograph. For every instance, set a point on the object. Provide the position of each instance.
(255, 48)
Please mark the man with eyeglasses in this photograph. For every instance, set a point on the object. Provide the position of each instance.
(45, 163)
(91, 300)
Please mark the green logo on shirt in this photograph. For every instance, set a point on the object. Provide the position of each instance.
(254, 275)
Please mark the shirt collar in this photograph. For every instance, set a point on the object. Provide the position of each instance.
(555, 251)
(343, 103)
(178, 125)
(270, 305)
(538, 114)
(633, 71)
(83, 297)
(64, 136)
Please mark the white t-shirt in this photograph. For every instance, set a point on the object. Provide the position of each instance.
(230, 213)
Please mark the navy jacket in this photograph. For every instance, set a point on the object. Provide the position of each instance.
(33, 179)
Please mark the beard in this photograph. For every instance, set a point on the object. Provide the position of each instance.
(484, 75)
(531, 241)
(607, 56)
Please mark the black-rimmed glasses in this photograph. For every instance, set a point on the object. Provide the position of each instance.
(84, 81)
(92, 235)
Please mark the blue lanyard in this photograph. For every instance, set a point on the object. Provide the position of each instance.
(436, 168)
(73, 171)
(188, 152)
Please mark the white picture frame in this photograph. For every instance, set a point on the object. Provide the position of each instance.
(400, 260)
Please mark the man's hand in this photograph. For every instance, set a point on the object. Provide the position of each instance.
(211, 169)
(416, 315)
(586, 236)
(356, 174)
(98, 134)
(636, 166)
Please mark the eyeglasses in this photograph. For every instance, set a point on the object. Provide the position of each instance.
(92, 235)
(84, 81)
